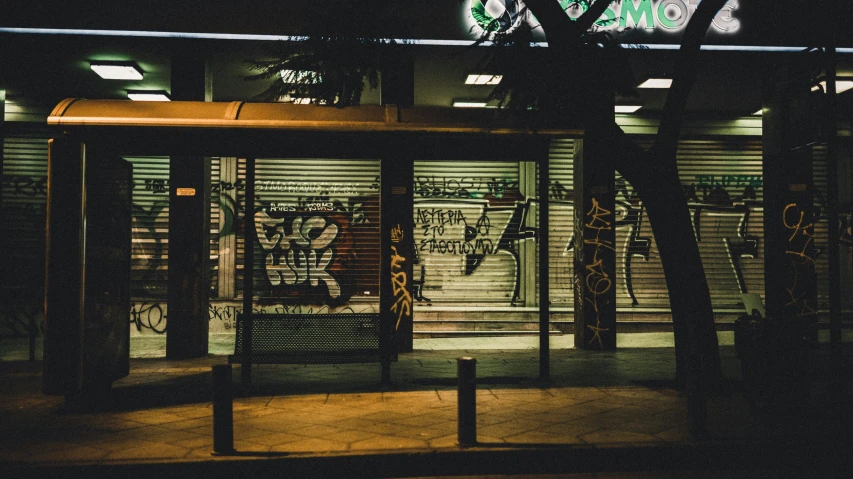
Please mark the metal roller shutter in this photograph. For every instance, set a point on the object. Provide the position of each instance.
(725, 189)
(561, 219)
(821, 228)
(722, 178)
(468, 227)
(317, 222)
(150, 251)
(150, 222)
(24, 190)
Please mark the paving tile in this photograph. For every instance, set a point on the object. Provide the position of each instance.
(152, 417)
(447, 441)
(314, 445)
(425, 433)
(571, 428)
(75, 454)
(382, 428)
(422, 420)
(148, 451)
(242, 446)
(175, 437)
(272, 439)
(503, 430)
(349, 436)
(196, 442)
(193, 412)
(189, 424)
(537, 437)
(388, 442)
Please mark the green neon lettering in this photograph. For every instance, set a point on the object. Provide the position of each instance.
(672, 23)
(637, 12)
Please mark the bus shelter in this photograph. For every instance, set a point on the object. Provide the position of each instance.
(87, 302)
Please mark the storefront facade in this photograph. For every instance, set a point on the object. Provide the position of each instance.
(475, 249)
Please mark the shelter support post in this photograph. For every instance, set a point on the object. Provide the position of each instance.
(189, 226)
(87, 276)
(398, 252)
(189, 257)
(64, 263)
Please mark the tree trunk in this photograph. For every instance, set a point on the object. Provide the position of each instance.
(689, 297)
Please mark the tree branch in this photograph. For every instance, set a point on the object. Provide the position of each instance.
(684, 75)
(593, 13)
(560, 30)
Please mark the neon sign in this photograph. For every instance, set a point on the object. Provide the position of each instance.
(504, 16)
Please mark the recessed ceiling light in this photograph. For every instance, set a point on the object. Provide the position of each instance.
(116, 70)
(148, 95)
(483, 79)
(656, 83)
(627, 108)
(469, 103)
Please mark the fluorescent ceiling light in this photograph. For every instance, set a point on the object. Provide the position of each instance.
(656, 83)
(840, 85)
(483, 79)
(627, 108)
(116, 70)
(469, 103)
(148, 95)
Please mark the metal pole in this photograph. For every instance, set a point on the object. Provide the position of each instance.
(466, 374)
(32, 330)
(544, 284)
(223, 412)
(832, 200)
(248, 273)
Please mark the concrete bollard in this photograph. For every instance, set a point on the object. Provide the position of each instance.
(223, 412)
(466, 374)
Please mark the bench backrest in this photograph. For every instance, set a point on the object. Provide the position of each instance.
(311, 338)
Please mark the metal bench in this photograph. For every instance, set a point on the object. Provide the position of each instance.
(313, 339)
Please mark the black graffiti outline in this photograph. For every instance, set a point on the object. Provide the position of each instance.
(148, 316)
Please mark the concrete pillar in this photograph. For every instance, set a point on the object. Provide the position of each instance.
(397, 243)
(397, 82)
(189, 225)
(789, 127)
(595, 241)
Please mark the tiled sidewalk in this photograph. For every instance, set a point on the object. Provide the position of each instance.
(162, 412)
